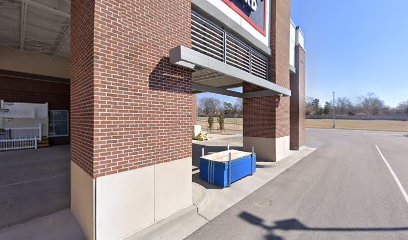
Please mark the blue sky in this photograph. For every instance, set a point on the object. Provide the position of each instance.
(354, 47)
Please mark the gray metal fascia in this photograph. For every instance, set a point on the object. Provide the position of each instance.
(175, 58)
(206, 88)
(262, 93)
(184, 54)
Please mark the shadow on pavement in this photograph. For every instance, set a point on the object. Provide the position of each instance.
(294, 224)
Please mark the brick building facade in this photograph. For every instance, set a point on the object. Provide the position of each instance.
(297, 100)
(33, 88)
(266, 119)
(14, 88)
(134, 66)
(131, 109)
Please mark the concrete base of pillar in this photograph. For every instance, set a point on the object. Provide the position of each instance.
(129, 201)
(83, 200)
(269, 149)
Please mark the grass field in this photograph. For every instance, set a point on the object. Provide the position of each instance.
(377, 125)
(230, 123)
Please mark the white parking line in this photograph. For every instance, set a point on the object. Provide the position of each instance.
(404, 193)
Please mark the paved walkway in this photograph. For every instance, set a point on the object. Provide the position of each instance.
(33, 183)
(57, 226)
(343, 190)
(215, 199)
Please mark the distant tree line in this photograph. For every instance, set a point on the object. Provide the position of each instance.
(210, 106)
(213, 109)
(367, 105)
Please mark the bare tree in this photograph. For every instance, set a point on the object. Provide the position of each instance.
(368, 104)
(238, 107)
(209, 106)
(309, 108)
(313, 106)
(403, 107)
(344, 106)
(372, 105)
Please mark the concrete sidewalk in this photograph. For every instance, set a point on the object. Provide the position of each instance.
(209, 201)
(214, 200)
(33, 183)
(57, 226)
(220, 199)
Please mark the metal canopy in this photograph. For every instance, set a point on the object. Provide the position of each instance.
(41, 26)
(205, 88)
(220, 74)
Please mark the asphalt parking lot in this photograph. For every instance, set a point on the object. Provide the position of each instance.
(352, 187)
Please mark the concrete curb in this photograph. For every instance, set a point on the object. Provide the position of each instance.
(203, 196)
(220, 200)
(179, 225)
(214, 202)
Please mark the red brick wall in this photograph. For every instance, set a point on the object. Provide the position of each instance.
(82, 83)
(259, 114)
(141, 108)
(280, 39)
(297, 101)
(16, 89)
(269, 116)
(194, 112)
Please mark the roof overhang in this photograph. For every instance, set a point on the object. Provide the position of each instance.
(36, 26)
(186, 57)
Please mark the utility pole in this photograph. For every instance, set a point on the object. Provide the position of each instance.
(334, 109)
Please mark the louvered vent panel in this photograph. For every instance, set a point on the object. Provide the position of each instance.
(212, 40)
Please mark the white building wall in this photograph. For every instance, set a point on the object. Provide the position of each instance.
(300, 39)
(25, 115)
(292, 44)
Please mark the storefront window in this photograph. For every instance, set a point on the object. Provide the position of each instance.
(58, 123)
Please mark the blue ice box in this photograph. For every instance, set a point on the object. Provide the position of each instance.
(215, 168)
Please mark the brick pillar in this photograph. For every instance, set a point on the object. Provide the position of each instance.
(130, 114)
(194, 113)
(82, 115)
(266, 119)
(297, 100)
